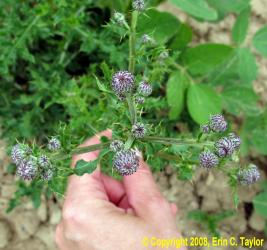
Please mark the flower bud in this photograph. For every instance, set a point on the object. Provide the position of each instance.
(119, 18)
(224, 147)
(47, 174)
(236, 140)
(44, 161)
(140, 99)
(144, 88)
(205, 129)
(138, 130)
(208, 159)
(249, 175)
(116, 145)
(126, 162)
(27, 169)
(122, 82)
(53, 144)
(146, 39)
(139, 5)
(217, 123)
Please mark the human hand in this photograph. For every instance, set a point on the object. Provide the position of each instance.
(102, 213)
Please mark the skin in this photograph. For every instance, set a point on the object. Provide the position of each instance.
(102, 213)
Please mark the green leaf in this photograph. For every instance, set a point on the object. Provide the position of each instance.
(260, 41)
(260, 204)
(197, 8)
(176, 87)
(204, 58)
(182, 38)
(247, 66)
(240, 28)
(161, 25)
(202, 101)
(238, 99)
(85, 167)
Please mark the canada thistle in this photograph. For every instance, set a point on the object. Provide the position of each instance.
(116, 145)
(138, 130)
(224, 147)
(235, 140)
(139, 5)
(47, 174)
(217, 123)
(119, 18)
(53, 144)
(144, 88)
(43, 161)
(18, 153)
(122, 82)
(208, 159)
(205, 129)
(126, 162)
(27, 169)
(249, 175)
(139, 99)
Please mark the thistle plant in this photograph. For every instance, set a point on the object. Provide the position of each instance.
(214, 148)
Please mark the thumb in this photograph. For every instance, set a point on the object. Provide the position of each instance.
(144, 196)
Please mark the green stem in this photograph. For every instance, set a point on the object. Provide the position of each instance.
(165, 140)
(171, 157)
(132, 41)
(80, 150)
(132, 109)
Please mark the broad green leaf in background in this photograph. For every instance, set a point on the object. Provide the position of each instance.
(260, 41)
(176, 87)
(239, 99)
(240, 28)
(260, 204)
(161, 25)
(247, 67)
(227, 6)
(204, 58)
(182, 38)
(85, 167)
(197, 8)
(202, 101)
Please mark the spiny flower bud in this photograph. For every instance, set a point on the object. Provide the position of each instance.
(121, 97)
(249, 175)
(44, 161)
(224, 147)
(18, 153)
(139, 99)
(138, 130)
(217, 123)
(236, 140)
(146, 39)
(122, 82)
(53, 144)
(47, 174)
(116, 145)
(27, 169)
(144, 88)
(119, 18)
(208, 159)
(163, 55)
(139, 5)
(126, 162)
(205, 129)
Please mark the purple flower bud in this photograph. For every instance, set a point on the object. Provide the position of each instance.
(140, 99)
(139, 5)
(236, 140)
(53, 144)
(208, 159)
(116, 145)
(27, 169)
(163, 55)
(249, 175)
(126, 162)
(205, 129)
(146, 39)
(122, 82)
(17, 154)
(144, 88)
(121, 97)
(224, 147)
(44, 161)
(217, 123)
(138, 130)
(47, 174)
